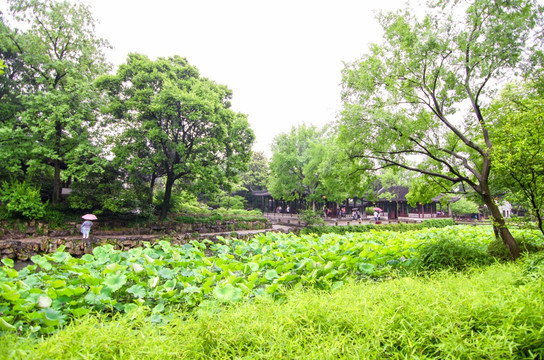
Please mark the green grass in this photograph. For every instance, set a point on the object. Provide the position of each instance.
(492, 312)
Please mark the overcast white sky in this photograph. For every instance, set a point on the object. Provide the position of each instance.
(282, 58)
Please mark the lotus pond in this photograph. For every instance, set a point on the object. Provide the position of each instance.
(58, 287)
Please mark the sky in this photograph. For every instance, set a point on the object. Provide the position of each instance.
(282, 59)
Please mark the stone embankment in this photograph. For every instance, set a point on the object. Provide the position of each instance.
(32, 239)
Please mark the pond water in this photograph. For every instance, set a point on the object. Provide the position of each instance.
(18, 265)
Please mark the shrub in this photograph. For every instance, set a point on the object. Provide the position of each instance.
(437, 223)
(181, 202)
(186, 219)
(497, 248)
(446, 253)
(312, 218)
(54, 218)
(434, 223)
(21, 200)
(533, 268)
(224, 211)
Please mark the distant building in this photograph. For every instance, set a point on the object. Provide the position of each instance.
(506, 209)
(397, 205)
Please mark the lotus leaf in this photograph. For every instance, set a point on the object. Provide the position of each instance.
(137, 290)
(115, 281)
(227, 293)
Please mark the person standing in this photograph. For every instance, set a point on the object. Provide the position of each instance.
(86, 228)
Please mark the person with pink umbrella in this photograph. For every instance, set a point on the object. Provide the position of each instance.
(87, 224)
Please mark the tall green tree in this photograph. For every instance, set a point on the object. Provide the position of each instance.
(256, 176)
(14, 148)
(61, 57)
(169, 122)
(518, 151)
(419, 93)
(301, 166)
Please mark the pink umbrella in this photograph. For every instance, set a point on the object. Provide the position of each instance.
(89, 217)
(378, 209)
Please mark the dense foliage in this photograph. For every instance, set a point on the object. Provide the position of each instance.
(45, 296)
(51, 109)
(173, 123)
(303, 166)
(519, 151)
(405, 97)
(475, 315)
(111, 140)
(431, 223)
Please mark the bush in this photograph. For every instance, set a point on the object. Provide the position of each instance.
(54, 218)
(222, 214)
(434, 223)
(497, 248)
(445, 253)
(312, 218)
(437, 223)
(21, 200)
(181, 202)
(224, 211)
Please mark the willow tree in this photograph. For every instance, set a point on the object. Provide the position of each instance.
(415, 100)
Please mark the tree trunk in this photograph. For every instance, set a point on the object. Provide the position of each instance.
(539, 219)
(56, 180)
(167, 195)
(150, 191)
(55, 200)
(498, 222)
(537, 213)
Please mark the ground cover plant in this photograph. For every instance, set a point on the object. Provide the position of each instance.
(431, 223)
(493, 312)
(221, 214)
(45, 296)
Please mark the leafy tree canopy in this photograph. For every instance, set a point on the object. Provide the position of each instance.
(170, 122)
(302, 166)
(518, 151)
(52, 64)
(419, 93)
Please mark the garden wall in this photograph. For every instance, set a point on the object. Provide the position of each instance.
(22, 230)
(37, 239)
